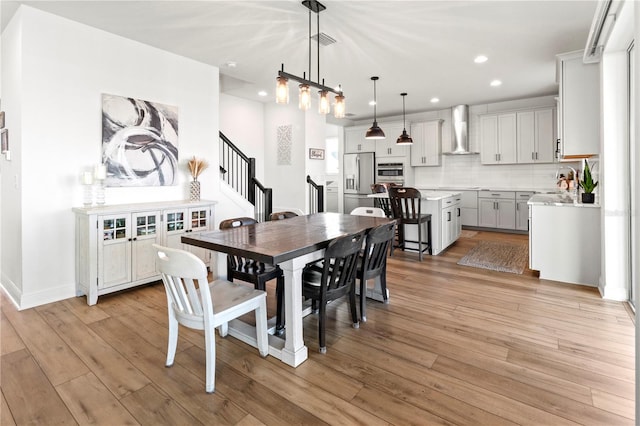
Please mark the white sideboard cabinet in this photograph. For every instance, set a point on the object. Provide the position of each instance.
(114, 242)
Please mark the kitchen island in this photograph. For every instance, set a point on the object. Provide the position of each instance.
(564, 239)
(444, 207)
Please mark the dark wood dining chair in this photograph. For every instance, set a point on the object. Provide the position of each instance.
(333, 278)
(373, 262)
(406, 207)
(381, 203)
(256, 273)
(282, 215)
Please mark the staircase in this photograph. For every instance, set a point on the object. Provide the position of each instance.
(239, 172)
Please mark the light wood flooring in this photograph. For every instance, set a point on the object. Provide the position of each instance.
(456, 345)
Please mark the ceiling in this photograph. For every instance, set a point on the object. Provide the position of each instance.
(424, 48)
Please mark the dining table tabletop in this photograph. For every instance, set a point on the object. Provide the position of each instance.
(290, 243)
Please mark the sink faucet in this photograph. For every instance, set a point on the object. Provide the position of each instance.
(575, 178)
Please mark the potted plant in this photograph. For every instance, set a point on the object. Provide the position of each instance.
(588, 185)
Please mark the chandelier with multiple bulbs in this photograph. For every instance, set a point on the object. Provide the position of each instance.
(304, 88)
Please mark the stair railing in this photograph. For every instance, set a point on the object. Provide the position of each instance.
(316, 196)
(239, 172)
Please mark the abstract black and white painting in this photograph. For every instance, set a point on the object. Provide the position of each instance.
(139, 142)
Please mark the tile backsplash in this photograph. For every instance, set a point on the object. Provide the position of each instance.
(467, 171)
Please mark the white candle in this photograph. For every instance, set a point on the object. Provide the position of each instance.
(87, 178)
(100, 172)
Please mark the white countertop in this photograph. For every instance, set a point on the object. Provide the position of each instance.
(492, 188)
(560, 200)
(425, 194)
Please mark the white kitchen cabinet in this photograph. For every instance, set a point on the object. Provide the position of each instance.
(498, 138)
(450, 221)
(354, 141)
(578, 106)
(536, 136)
(522, 210)
(114, 243)
(497, 209)
(444, 209)
(564, 243)
(469, 208)
(332, 199)
(387, 147)
(427, 142)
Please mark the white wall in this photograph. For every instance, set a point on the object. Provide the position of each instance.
(62, 69)
(242, 121)
(288, 179)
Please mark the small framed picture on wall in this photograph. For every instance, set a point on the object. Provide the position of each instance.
(4, 140)
(1, 119)
(316, 154)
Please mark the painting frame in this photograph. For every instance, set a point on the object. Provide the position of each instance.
(4, 141)
(139, 142)
(1, 119)
(316, 153)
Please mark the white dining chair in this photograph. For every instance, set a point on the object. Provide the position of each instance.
(207, 306)
(368, 211)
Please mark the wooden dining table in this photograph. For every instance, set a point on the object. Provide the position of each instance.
(290, 243)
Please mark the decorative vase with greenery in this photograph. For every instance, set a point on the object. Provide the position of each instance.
(196, 167)
(588, 185)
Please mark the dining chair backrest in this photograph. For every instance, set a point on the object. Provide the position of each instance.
(377, 246)
(340, 265)
(368, 211)
(282, 215)
(236, 262)
(237, 222)
(405, 202)
(377, 188)
(185, 280)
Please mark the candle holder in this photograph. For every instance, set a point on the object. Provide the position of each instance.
(100, 199)
(100, 175)
(87, 182)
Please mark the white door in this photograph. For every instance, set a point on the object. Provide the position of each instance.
(114, 250)
(487, 213)
(146, 232)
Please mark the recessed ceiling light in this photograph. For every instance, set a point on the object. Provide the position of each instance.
(480, 59)
(435, 100)
(230, 64)
(496, 83)
(372, 103)
(262, 93)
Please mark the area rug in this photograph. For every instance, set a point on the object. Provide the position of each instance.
(465, 233)
(497, 256)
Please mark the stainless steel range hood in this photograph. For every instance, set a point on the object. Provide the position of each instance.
(459, 134)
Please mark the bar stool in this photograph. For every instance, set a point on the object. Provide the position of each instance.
(405, 204)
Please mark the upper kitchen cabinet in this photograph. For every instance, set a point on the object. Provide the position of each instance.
(354, 141)
(498, 138)
(427, 142)
(536, 136)
(387, 147)
(578, 106)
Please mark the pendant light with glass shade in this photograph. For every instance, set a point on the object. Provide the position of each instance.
(304, 92)
(374, 132)
(404, 138)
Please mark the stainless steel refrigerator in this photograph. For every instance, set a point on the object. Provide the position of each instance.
(359, 175)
